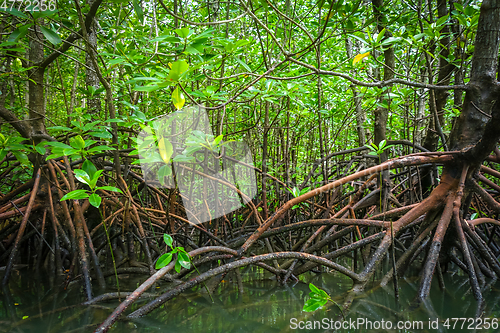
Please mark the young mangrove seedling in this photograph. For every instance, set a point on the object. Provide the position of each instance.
(317, 299)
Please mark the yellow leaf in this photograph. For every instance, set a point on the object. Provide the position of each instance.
(166, 149)
(329, 16)
(359, 57)
(178, 98)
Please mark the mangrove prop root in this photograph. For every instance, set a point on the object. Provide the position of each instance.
(22, 227)
(330, 226)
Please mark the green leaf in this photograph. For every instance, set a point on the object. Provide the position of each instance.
(183, 33)
(51, 36)
(93, 124)
(419, 36)
(442, 20)
(380, 35)
(149, 88)
(102, 134)
(314, 288)
(183, 260)
(166, 38)
(178, 266)
(89, 168)
(177, 69)
(168, 240)
(41, 13)
(40, 148)
(95, 200)
(78, 142)
(109, 188)
(138, 10)
(19, 33)
(241, 42)
(82, 176)
(116, 61)
(313, 304)
(76, 194)
(391, 40)
(242, 63)
(95, 178)
(323, 294)
(51, 156)
(14, 12)
(190, 49)
(387, 147)
(164, 260)
(304, 190)
(182, 158)
(218, 139)
(70, 151)
(21, 157)
(89, 143)
(58, 145)
(163, 172)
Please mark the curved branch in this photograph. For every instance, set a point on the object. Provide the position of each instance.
(234, 265)
(104, 327)
(19, 125)
(413, 159)
(482, 220)
(379, 84)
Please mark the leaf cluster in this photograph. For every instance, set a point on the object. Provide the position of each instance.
(89, 175)
(317, 299)
(378, 150)
(182, 260)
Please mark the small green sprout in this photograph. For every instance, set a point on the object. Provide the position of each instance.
(183, 259)
(318, 298)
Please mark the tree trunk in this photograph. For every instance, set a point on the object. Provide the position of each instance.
(477, 126)
(36, 85)
(382, 113)
(91, 79)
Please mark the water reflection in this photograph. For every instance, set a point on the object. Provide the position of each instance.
(265, 306)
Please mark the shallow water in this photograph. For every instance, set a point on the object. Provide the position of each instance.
(265, 306)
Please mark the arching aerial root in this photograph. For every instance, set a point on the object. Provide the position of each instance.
(433, 227)
(466, 240)
(359, 280)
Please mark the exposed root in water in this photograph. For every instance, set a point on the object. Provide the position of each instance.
(317, 230)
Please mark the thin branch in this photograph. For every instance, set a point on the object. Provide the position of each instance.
(202, 24)
(379, 84)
